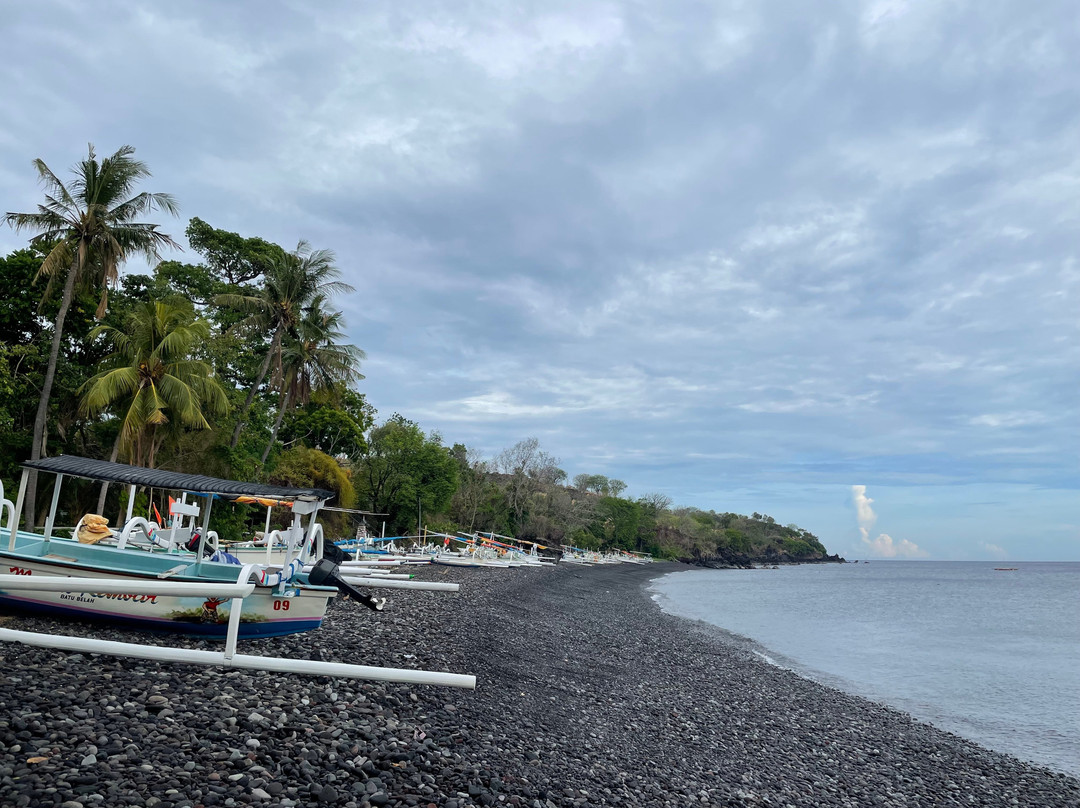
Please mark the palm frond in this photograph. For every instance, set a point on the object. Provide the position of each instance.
(52, 184)
(57, 261)
(107, 388)
(156, 406)
(243, 303)
(182, 401)
(144, 203)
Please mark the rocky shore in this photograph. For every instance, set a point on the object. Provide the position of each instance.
(588, 695)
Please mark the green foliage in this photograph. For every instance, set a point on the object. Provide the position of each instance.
(310, 467)
(618, 521)
(19, 320)
(336, 428)
(288, 301)
(25, 337)
(402, 470)
(152, 380)
(87, 226)
(696, 533)
(736, 540)
(230, 255)
(599, 484)
(85, 230)
(584, 539)
(797, 548)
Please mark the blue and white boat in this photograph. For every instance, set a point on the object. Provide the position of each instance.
(283, 600)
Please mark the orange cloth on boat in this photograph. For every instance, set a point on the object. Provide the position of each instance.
(93, 529)
(267, 503)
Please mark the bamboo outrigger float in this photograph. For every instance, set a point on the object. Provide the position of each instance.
(176, 589)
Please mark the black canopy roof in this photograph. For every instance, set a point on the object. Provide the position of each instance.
(105, 471)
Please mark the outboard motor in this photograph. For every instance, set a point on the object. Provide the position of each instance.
(325, 573)
(192, 544)
(334, 553)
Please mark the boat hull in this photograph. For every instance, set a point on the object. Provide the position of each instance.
(266, 612)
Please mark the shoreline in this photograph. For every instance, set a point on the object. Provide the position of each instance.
(588, 694)
(1017, 727)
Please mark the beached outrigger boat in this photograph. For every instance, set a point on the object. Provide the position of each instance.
(93, 584)
(514, 549)
(472, 553)
(284, 600)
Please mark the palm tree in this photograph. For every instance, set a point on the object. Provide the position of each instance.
(87, 231)
(290, 284)
(314, 359)
(152, 376)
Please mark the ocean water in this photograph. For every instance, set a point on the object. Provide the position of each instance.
(993, 656)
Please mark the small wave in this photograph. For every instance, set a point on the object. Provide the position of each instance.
(770, 660)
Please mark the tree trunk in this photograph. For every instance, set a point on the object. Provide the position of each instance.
(277, 425)
(40, 421)
(275, 345)
(105, 485)
(154, 444)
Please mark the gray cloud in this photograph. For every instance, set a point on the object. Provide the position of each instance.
(700, 248)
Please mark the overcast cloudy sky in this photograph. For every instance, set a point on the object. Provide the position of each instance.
(817, 260)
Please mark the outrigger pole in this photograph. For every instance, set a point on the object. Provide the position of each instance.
(227, 658)
(189, 656)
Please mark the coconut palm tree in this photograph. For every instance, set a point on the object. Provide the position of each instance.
(290, 284)
(313, 359)
(87, 229)
(153, 378)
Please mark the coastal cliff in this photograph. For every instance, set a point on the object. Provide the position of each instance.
(729, 540)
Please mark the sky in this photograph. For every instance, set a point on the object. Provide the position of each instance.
(814, 260)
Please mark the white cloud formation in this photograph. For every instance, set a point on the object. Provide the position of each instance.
(884, 546)
(864, 513)
(994, 551)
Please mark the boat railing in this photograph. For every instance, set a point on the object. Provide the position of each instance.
(6, 507)
(149, 529)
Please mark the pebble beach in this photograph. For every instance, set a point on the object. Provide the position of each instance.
(588, 695)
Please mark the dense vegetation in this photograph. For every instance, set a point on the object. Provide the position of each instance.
(236, 366)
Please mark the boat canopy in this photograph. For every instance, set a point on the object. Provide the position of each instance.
(104, 471)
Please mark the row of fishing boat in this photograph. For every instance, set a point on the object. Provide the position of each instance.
(176, 577)
(174, 574)
(480, 550)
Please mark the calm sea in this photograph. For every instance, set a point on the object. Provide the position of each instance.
(991, 655)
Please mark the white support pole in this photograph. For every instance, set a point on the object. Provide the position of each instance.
(130, 504)
(294, 538)
(382, 576)
(205, 531)
(122, 586)
(266, 536)
(236, 609)
(188, 656)
(52, 506)
(18, 508)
